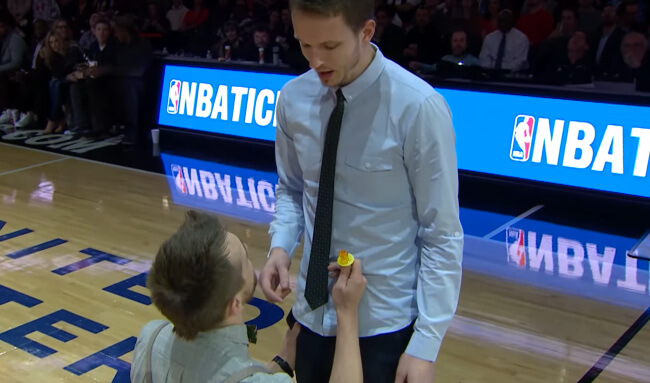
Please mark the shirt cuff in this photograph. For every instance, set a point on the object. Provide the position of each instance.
(285, 242)
(423, 347)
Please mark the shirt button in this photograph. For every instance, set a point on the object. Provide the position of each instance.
(368, 165)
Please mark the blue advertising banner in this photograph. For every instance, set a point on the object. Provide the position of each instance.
(589, 145)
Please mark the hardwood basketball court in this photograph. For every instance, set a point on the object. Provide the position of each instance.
(77, 237)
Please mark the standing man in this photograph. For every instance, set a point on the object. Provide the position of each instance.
(366, 163)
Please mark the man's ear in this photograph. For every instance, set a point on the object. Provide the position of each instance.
(235, 306)
(368, 31)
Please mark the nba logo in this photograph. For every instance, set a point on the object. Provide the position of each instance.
(177, 173)
(174, 96)
(516, 247)
(522, 138)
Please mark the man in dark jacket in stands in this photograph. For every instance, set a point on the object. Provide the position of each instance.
(133, 55)
(90, 95)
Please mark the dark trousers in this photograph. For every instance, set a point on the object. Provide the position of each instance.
(379, 356)
(59, 89)
(128, 90)
(92, 101)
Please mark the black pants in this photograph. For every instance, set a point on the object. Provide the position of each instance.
(92, 102)
(127, 92)
(379, 356)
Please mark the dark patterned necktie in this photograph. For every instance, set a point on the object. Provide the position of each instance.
(316, 291)
(501, 52)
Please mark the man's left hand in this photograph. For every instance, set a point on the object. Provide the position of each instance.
(414, 370)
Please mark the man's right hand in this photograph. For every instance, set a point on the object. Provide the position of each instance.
(274, 277)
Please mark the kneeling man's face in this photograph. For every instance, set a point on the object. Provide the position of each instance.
(238, 255)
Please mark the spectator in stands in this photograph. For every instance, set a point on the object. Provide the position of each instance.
(47, 10)
(61, 58)
(80, 21)
(575, 66)
(196, 29)
(388, 37)
(29, 86)
(176, 15)
(89, 36)
(242, 15)
(13, 53)
(459, 55)
(606, 45)
(101, 5)
(506, 48)
(21, 10)
(232, 40)
(262, 41)
(90, 96)
(221, 12)
(155, 22)
(132, 60)
(489, 19)
(62, 28)
(536, 23)
(423, 40)
(636, 65)
(553, 52)
(589, 17)
(275, 23)
(285, 35)
(196, 17)
(627, 16)
(468, 18)
(405, 9)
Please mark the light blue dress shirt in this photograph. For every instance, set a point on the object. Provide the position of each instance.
(395, 200)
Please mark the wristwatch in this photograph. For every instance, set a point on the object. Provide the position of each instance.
(283, 365)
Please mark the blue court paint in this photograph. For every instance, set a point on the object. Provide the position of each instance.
(17, 335)
(36, 248)
(122, 289)
(9, 295)
(96, 256)
(14, 234)
(270, 314)
(107, 357)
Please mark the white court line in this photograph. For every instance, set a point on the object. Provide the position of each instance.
(85, 160)
(513, 221)
(31, 167)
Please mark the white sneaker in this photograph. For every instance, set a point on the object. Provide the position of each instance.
(7, 117)
(16, 115)
(26, 120)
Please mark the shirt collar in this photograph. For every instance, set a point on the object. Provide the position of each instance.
(367, 78)
(235, 333)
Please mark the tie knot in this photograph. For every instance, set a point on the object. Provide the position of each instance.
(339, 95)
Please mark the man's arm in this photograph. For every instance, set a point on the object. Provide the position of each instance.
(430, 158)
(288, 221)
(347, 366)
(18, 51)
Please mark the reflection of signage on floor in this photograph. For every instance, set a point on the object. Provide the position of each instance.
(19, 334)
(63, 142)
(576, 254)
(242, 193)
